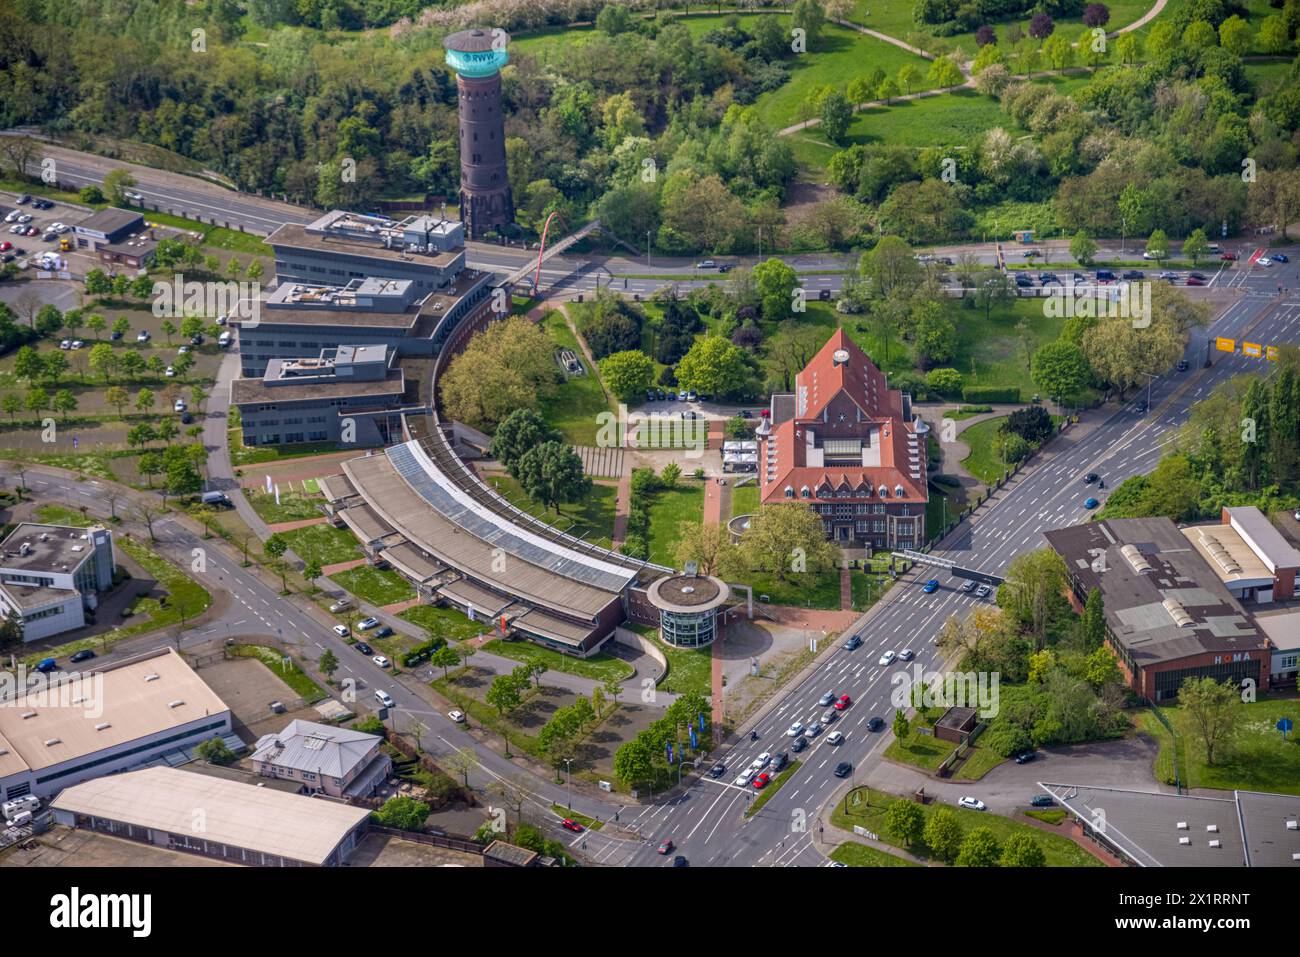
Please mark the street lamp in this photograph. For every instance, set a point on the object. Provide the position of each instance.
(648, 232)
(569, 774)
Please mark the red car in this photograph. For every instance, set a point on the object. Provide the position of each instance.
(1229, 257)
(6, 246)
(843, 703)
(1193, 281)
(666, 847)
(760, 782)
(569, 824)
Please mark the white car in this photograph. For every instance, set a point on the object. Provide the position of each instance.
(907, 654)
(762, 761)
(142, 336)
(794, 730)
(974, 804)
(1146, 255)
(1263, 261)
(65, 344)
(745, 776)
(381, 661)
(169, 372)
(341, 631)
(25, 218)
(887, 658)
(365, 624)
(180, 406)
(983, 591)
(834, 738)
(457, 716)
(77, 344)
(13, 215)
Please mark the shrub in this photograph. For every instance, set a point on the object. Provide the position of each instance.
(988, 393)
(944, 381)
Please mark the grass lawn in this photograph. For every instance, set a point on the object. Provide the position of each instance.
(292, 507)
(599, 667)
(773, 786)
(983, 462)
(1051, 816)
(591, 518)
(744, 499)
(576, 405)
(870, 810)
(379, 587)
(669, 508)
(441, 622)
(939, 507)
(689, 669)
(323, 543)
(979, 763)
(920, 750)
(285, 668)
(590, 823)
(805, 590)
(853, 854)
(241, 454)
(1258, 760)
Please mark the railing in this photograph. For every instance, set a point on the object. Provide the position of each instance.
(1173, 736)
(435, 840)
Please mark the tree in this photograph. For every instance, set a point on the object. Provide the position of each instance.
(979, 849)
(1198, 36)
(1214, 712)
(445, 658)
(508, 366)
(1035, 584)
(103, 360)
(709, 546)
(1158, 245)
(144, 400)
(935, 335)
(943, 834)
(1083, 248)
(1021, 850)
(807, 15)
(713, 366)
(552, 473)
(328, 663)
(887, 90)
(786, 538)
(117, 397)
(944, 72)
(1041, 26)
(905, 821)
(776, 281)
(12, 404)
(627, 374)
(1094, 619)
(1060, 369)
(1059, 51)
(64, 402)
(168, 330)
(902, 727)
(1096, 15)
(521, 430)
(1234, 35)
(836, 114)
(275, 546)
(891, 267)
(214, 751)
(504, 694)
(908, 76)
(117, 183)
(404, 813)
(1274, 35)
(28, 364)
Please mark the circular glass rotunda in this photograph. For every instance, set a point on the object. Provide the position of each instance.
(688, 608)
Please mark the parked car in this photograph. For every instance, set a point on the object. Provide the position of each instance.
(364, 648)
(143, 336)
(85, 654)
(186, 418)
(1024, 757)
(341, 604)
(383, 631)
(23, 199)
(1042, 800)
(382, 661)
(365, 624)
(457, 716)
(341, 631)
(843, 769)
(974, 804)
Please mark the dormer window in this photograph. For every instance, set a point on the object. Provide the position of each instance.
(898, 491)
(884, 491)
(789, 491)
(804, 493)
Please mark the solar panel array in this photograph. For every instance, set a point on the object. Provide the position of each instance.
(457, 512)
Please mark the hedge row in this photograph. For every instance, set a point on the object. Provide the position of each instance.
(988, 393)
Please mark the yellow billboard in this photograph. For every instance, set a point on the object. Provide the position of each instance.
(1225, 345)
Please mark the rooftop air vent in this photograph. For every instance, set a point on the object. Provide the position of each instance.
(53, 741)
(151, 677)
(175, 704)
(28, 714)
(103, 726)
(1133, 555)
(1216, 844)
(1178, 613)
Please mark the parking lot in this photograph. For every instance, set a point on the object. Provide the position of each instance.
(27, 231)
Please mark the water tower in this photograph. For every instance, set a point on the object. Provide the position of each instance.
(486, 203)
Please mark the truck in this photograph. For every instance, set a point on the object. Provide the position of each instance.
(65, 244)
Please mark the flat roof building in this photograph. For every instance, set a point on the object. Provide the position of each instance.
(1168, 615)
(51, 574)
(84, 725)
(208, 815)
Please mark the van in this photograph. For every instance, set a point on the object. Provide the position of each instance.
(223, 340)
(21, 818)
(217, 499)
(29, 804)
(385, 699)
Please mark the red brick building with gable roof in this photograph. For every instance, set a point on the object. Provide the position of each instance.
(846, 444)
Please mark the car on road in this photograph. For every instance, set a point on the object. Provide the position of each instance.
(364, 648)
(1024, 757)
(384, 698)
(365, 624)
(457, 716)
(665, 846)
(876, 723)
(744, 777)
(814, 729)
(983, 591)
(843, 702)
(1090, 478)
(569, 824)
(829, 718)
(835, 738)
(853, 643)
(931, 586)
(973, 804)
(887, 658)
(798, 744)
(341, 631)
(726, 267)
(1046, 278)
(794, 730)
(1169, 276)
(1183, 365)
(827, 698)
(779, 761)
(1042, 800)
(706, 264)
(762, 761)
(761, 781)
(1195, 280)
(1105, 277)
(46, 665)
(680, 861)
(1024, 282)
(718, 770)
(381, 661)
(1090, 503)
(1135, 274)
(968, 585)
(85, 654)
(843, 769)
(1281, 258)
(907, 654)
(1264, 261)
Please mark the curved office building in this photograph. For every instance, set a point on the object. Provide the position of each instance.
(688, 608)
